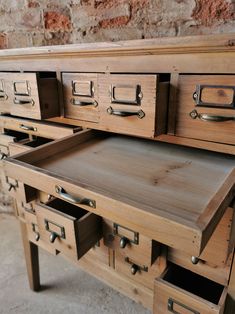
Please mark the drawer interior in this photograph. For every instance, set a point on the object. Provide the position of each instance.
(194, 283)
(67, 208)
(38, 141)
(143, 177)
(18, 135)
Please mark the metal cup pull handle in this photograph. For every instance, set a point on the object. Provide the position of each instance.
(210, 117)
(28, 128)
(171, 303)
(23, 102)
(83, 103)
(74, 199)
(126, 113)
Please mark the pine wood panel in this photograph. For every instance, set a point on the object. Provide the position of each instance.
(75, 87)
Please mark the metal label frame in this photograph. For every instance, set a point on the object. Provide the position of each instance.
(62, 230)
(198, 94)
(138, 95)
(135, 240)
(91, 88)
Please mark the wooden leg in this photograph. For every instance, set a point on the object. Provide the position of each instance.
(31, 258)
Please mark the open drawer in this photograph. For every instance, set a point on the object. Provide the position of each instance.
(181, 291)
(173, 195)
(67, 228)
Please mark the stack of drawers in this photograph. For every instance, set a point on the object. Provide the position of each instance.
(152, 219)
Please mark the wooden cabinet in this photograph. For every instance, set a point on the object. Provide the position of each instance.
(137, 209)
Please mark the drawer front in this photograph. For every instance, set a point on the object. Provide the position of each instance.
(17, 189)
(22, 209)
(130, 243)
(128, 103)
(136, 270)
(180, 291)
(5, 92)
(37, 128)
(81, 96)
(25, 95)
(206, 108)
(33, 231)
(71, 234)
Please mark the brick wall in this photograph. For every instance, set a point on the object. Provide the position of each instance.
(39, 22)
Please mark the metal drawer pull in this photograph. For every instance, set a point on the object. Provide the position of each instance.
(134, 267)
(73, 199)
(208, 117)
(52, 237)
(3, 97)
(3, 156)
(195, 260)
(28, 128)
(125, 113)
(123, 242)
(83, 103)
(23, 102)
(37, 234)
(170, 307)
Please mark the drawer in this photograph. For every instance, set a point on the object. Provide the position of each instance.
(33, 97)
(182, 291)
(133, 104)
(130, 243)
(6, 138)
(33, 231)
(22, 208)
(5, 91)
(25, 145)
(81, 96)
(67, 228)
(136, 183)
(17, 189)
(135, 269)
(206, 108)
(37, 128)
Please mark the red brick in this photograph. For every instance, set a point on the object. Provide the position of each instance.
(33, 4)
(55, 20)
(114, 22)
(209, 12)
(3, 41)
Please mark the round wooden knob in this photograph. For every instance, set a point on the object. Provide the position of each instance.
(123, 242)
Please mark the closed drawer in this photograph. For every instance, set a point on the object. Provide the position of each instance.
(81, 96)
(5, 91)
(206, 108)
(67, 228)
(33, 97)
(130, 243)
(182, 291)
(22, 208)
(33, 230)
(133, 104)
(135, 269)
